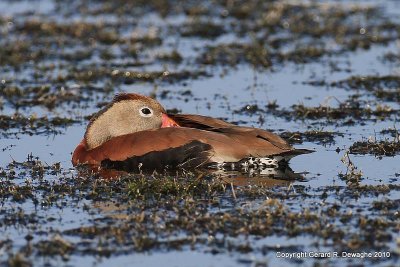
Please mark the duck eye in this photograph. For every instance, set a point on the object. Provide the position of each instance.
(146, 112)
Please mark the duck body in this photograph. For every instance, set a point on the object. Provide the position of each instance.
(166, 141)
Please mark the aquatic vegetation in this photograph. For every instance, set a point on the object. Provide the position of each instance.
(369, 83)
(377, 148)
(143, 213)
(268, 64)
(352, 175)
(202, 29)
(32, 125)
(314, 136)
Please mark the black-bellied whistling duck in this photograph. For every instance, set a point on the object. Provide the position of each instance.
(134, 132)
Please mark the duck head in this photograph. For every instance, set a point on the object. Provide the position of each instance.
(126, 114)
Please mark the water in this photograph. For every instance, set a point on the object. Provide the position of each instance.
(221, 93)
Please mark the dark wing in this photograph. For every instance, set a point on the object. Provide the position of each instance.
(254, 133)
(217, 125)
(260, 142)
(188, 156)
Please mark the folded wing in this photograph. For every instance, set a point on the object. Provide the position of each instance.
(199, 141)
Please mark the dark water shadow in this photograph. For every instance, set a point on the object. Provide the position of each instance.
(269, 177)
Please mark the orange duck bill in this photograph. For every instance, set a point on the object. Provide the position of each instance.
(168, 122)
(134, 133)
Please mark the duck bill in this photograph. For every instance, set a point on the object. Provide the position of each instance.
(168, 122)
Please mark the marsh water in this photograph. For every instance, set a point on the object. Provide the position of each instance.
(322, 74)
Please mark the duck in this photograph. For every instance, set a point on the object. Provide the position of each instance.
(134, 133)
